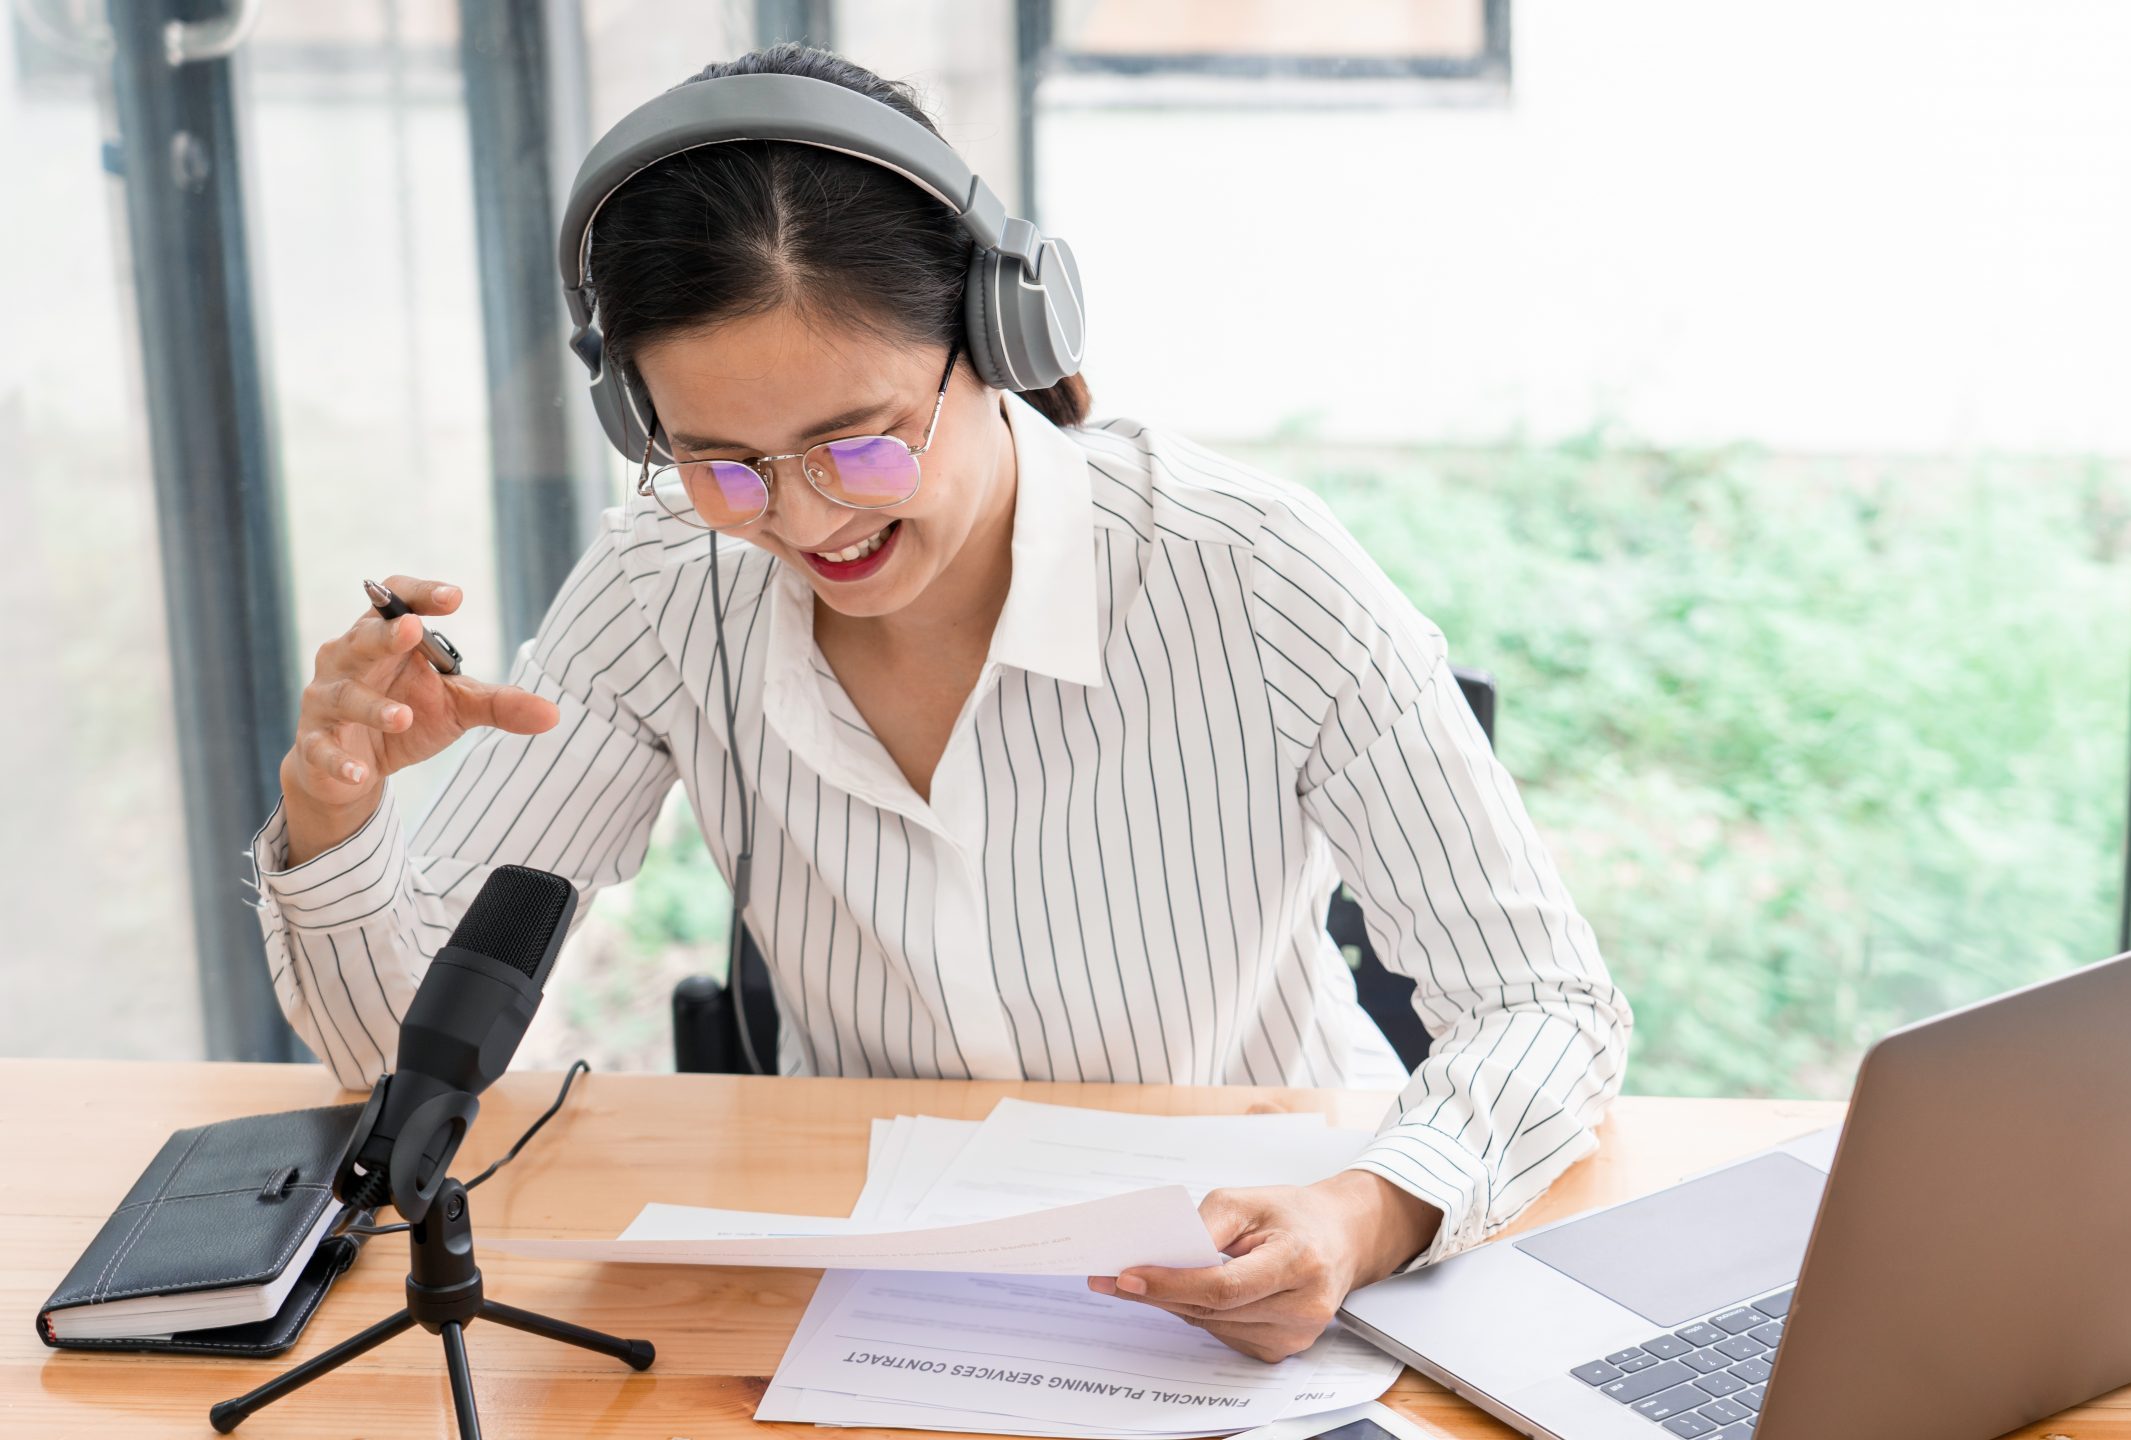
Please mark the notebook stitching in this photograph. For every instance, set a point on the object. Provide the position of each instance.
(295, 1239)
(211, 1194)
(110, 1266)
(284, 1334)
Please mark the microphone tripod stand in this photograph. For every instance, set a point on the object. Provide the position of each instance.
(444, 1296)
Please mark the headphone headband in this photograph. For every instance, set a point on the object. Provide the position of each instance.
(1022, 306)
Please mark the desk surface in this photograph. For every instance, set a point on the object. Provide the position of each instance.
(76, 1133)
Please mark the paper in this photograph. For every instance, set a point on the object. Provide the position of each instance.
(1038, 1154)
(1027, 1155)
(1158, 1226)
(682, 1223)
(997, 1342)
(928, 1152)
(925, 1146)
(1347, 1371)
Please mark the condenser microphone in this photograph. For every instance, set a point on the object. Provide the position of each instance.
(461, 1030)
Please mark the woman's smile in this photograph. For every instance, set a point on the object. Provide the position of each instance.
(856, 562)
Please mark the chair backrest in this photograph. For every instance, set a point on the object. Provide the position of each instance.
(1478, 688)
(1386, 995)
(706, 1025)
(706, 1032)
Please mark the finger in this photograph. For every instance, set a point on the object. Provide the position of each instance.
(1298, 1305)
(324, 757)
(1266, 1107)
(1193, 1313)
(505, 707)
(1283, 1307)
(373, 637)
(1263, 1272)
(1269, 1343)
(350, 700)
(424, 597)
(1107, 1285)
(1228, 1215)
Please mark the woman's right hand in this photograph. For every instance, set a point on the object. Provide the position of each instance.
(376, 705)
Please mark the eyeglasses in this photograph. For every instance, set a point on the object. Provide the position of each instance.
(861, 472)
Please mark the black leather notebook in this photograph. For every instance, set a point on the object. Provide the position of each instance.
(212, 1229)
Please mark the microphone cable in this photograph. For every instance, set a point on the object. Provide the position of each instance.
(375, 1183)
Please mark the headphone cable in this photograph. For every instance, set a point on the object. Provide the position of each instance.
(743, 865)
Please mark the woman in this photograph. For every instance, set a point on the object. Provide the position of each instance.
(1054, 761)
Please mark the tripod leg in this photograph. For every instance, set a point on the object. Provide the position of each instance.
(228, 1415)
(636, 1354)
(462, 1380)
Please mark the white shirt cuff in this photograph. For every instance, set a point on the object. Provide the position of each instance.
(1434, 1166)
(352, 881)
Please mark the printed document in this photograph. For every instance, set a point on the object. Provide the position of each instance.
(1050, 1357)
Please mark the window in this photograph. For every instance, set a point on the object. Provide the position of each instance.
(1801, 547)
(1260, 39)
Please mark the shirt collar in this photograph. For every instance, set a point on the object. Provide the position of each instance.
(1049, 625)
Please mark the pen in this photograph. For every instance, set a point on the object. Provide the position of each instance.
(441, 652)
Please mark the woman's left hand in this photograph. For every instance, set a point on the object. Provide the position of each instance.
(1296, 1251)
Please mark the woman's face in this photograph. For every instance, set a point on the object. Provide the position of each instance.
(772, 384)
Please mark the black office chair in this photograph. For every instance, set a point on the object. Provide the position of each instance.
(706, 1037)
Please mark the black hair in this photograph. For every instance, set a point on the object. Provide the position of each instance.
(751, 226)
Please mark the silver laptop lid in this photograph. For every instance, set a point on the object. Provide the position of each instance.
(1969, 1268)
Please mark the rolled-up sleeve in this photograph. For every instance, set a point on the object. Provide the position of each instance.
(307, 911)
(349, 932)
(1529, 1034)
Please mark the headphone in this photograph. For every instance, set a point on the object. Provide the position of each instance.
(1021, 306)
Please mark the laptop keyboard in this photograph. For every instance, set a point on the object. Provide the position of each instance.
(1703, 1380)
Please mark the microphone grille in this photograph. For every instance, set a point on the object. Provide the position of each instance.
(514, 917)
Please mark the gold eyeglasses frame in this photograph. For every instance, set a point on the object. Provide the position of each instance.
(764, 466)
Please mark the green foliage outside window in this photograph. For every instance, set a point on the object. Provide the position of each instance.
(1822, 747)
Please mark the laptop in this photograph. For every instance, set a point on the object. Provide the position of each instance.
(1951, 1263)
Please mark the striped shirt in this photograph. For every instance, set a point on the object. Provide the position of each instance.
(1202, 706)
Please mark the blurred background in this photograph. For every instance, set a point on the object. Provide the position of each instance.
(1745, 386)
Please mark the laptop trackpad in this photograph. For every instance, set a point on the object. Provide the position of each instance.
(1684, 1253)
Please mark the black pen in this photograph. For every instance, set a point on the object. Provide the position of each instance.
(441, 652)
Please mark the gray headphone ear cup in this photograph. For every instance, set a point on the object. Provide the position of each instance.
(980, 324)
(1056, 329)
(623, 409)
(1025, 336)
(614, 417)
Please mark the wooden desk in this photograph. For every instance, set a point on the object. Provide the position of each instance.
(74, 1135)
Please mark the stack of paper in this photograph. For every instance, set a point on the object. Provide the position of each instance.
(1048, 1356)
(957, 1297)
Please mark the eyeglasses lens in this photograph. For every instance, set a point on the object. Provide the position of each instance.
(710, 492)
(867, 471)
